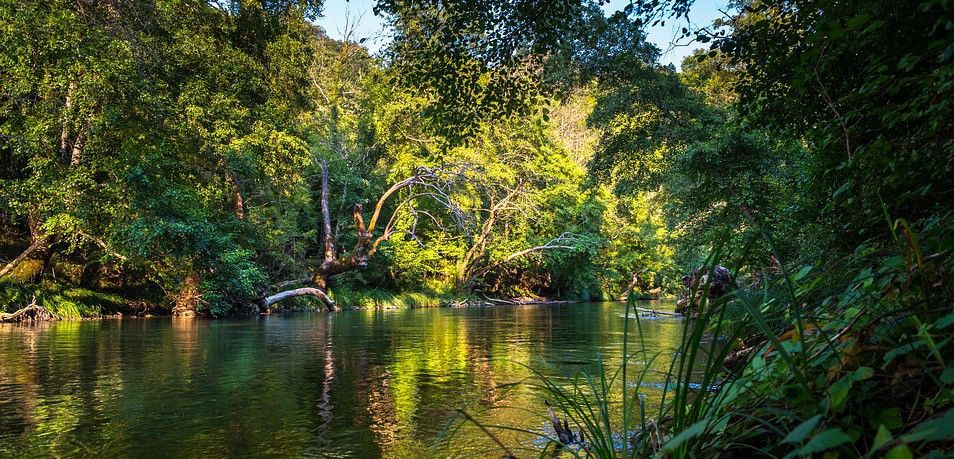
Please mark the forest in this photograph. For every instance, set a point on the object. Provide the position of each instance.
(791, 183)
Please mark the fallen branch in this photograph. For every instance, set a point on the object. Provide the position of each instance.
(304, 291)
(497, 300)
(555, 243)
(32, 314)
(39, 244)
(655, 312)
(334, 264)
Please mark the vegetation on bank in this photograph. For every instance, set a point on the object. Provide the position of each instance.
(218, 153)
(180, 148)
(852, 360)
(71, 302)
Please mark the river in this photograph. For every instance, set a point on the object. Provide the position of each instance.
(349, 384)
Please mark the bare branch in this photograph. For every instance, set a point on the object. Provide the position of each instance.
(102, 245)
(289, 283)
(39, 244)
(555, 243)
(304, 291)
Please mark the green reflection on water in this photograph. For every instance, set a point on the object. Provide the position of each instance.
(352, 384)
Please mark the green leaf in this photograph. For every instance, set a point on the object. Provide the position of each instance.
(943, 322)
(935, 429)
(889, 417)
(883, 436)
(838, 392)
(802, 273)
(947, 376)
(899, 452)
(801, 431)
(901, 350)
(687, 434)
(823, 442)
(863, 373)
(858, 21)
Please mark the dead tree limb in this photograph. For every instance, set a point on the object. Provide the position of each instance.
(654, 312)
(37, 245)
(479, 246)
(304, 291)
(32, 313)
(555, 243)
(289, 283)
(630, 288)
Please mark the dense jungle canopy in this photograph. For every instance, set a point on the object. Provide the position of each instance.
(226, 157)
(177, 148)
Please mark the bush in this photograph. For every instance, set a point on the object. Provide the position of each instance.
(807, 363)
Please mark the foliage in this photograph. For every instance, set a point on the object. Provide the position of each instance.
(180, 146)
(181, 149)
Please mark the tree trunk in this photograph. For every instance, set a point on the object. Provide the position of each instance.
(188, 298)
(39, 244)
(303, 291)
(65, 130)
(45, 261)
(326, 215)
(239, 200)
(90, 276)
(78, 145)
(333, 264)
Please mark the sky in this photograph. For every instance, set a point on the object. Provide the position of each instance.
(342, 16)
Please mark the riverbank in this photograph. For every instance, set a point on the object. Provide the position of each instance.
(74, 303)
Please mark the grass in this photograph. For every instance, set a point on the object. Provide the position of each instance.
(849, 361)
(65, 302)
(378, 298)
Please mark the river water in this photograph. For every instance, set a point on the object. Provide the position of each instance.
(350, 384)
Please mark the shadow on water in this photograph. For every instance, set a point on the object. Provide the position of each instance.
(351, 384)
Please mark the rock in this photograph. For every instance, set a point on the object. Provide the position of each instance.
(696, 282)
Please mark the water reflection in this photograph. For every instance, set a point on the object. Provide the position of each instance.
(354, 384)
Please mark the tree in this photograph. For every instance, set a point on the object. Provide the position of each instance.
(432, 182)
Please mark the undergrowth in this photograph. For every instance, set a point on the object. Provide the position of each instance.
(379, 298)
(848, 360)
(65, 302)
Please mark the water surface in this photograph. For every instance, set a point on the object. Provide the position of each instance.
(349, 384)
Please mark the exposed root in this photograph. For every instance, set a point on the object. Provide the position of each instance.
(33, 313)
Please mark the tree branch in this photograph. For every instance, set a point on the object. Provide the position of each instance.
(551, 244)
(289, 283)
(102, 244)
(39, 244)
(304, 291)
